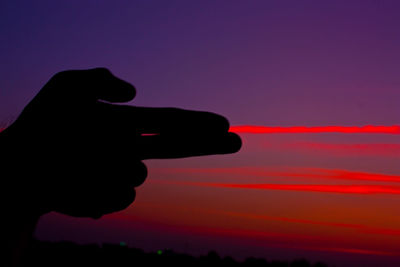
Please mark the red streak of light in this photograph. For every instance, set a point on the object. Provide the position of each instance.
(341, 189)
(149, 134)
(255, 129)
(346, 189)
(345, 149)
(293, 172)
(353, 175)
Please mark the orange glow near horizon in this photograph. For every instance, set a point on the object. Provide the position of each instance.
(358, 227)
(371, 129)
(270, 238)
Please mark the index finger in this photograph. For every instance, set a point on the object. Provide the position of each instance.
(146, 120)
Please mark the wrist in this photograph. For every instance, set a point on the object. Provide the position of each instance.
(17, 237)
(18, 174)
(17, 206)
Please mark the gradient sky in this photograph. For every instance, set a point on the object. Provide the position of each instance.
(266, 63)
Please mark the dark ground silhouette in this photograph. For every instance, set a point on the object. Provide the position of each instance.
(63, 254)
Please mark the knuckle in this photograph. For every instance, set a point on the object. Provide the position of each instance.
(62, 75)
(101, 70)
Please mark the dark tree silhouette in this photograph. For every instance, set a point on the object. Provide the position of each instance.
(46, 254)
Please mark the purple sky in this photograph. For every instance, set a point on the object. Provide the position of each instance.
(257, 62)
(275, 63)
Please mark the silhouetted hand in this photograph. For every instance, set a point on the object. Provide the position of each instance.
(74, 152)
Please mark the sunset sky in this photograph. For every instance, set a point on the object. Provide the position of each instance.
(299, 187)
